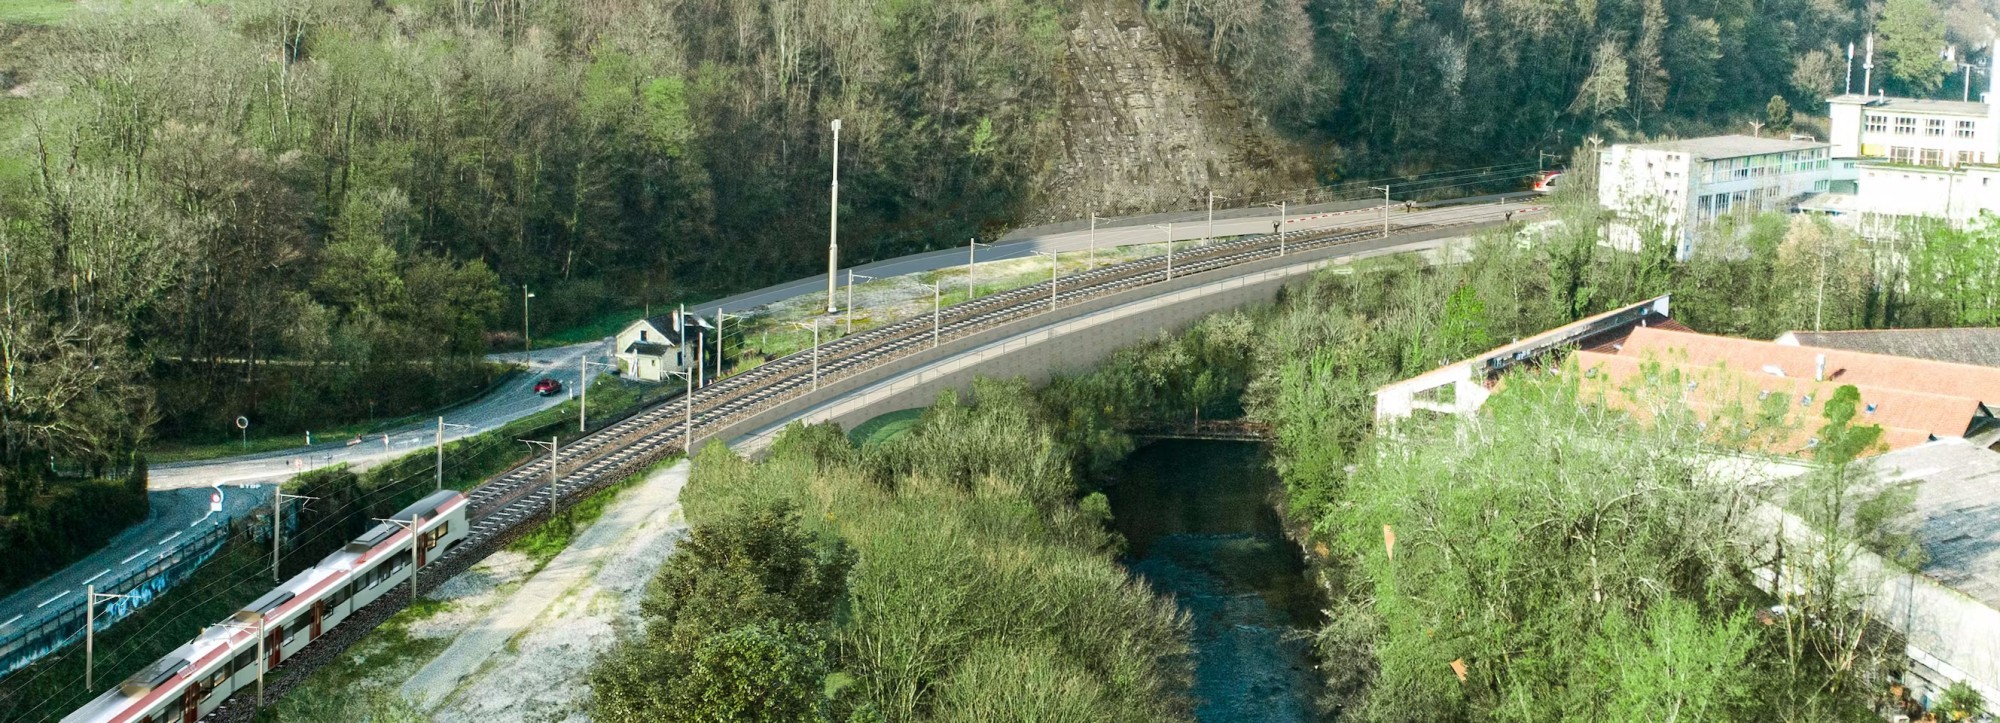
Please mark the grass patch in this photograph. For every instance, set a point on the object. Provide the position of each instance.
(35, 12)
(363, 683)
(543, 543)
(885, 427)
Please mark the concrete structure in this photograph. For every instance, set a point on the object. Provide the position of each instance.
(1936, 159)
(650, 349)
(1462, 387)
(1678, 188)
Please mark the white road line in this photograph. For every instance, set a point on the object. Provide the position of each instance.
(134, 556)
(164, 540)
(93, 578)
(45, 603)
(10, 621)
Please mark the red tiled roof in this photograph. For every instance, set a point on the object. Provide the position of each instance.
(1842, 366)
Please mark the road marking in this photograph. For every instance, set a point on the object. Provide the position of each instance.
(45, 603)
(93, 578)
(164, 540)
(10, 621)
(134, 556)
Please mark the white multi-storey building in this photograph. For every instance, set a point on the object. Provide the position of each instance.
(1936, 159)
(1678, 188)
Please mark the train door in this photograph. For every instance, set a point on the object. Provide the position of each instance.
(319, 616)
(191, 702)
(419, 542)
(272, 653)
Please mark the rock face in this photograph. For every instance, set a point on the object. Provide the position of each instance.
(1149, 125)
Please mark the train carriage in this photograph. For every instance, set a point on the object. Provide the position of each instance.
(195, 678)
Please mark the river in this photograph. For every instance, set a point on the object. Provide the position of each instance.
(1202, 527)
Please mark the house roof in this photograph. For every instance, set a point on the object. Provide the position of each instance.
(1731, 146)
(1907, 418)
(1842, 366)
(1979, 347)
(1914, 106)
(1959, 523)
(647, 348)
(664, 324)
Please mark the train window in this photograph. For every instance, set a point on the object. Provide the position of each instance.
(401, 561)
(243, 662)
(217, 679)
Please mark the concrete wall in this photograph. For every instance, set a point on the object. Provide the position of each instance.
(1071, 338)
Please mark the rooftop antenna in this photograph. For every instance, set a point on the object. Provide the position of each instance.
(1868, 67)
(1850, 68)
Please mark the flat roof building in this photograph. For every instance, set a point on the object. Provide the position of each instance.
(1677, 188)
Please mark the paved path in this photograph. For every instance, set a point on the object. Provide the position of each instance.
(524, 660)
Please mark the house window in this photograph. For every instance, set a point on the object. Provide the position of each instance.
(642, 335)
(1878, 123)
(1933, 157)
(1906, 125)
(1934, 127)
(1965, 129)
(1902, 154)
(1965, 157)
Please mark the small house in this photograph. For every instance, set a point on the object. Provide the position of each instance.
(653, 348)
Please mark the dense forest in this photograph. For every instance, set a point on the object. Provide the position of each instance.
(1382, 85)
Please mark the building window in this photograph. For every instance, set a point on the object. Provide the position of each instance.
(1965, 129)
(1902, 154)
(1933, 157)
(1934, 127)
(1878, 123)
(1906, 125)
(1965, 157)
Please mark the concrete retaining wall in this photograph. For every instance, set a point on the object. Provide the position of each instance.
(1071, 338)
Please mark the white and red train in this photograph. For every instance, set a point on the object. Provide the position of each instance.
(195, 678)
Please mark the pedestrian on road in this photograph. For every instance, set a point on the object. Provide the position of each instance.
(1274, 227)
(1510, 217)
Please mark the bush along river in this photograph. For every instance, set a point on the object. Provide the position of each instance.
(1202, 527)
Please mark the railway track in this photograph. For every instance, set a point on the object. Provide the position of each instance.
(506, 506)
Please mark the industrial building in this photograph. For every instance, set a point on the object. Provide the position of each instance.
(1674, 190)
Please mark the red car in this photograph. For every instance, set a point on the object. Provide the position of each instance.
(547, 386)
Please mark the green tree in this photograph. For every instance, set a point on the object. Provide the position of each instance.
(1778, 114)
(1912, 45)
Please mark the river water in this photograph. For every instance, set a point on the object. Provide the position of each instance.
(1200, 519)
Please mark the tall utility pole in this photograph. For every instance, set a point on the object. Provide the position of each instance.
(719, 316)
(1093, 237)
(1169, 226)
(833, 224)
(1868, 67)
(1849, 88)
(554, 446)
(415, 527)
(526, 342)
(440, 448)
(1054, 263)
(687, 424)
(278, 498)
(937, 311)
(90, 598)
(850, 298)
(1385, 209)
(1210, 235)
(971, 259)
(1281, 225)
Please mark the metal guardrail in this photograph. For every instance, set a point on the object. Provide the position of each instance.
(22, 648)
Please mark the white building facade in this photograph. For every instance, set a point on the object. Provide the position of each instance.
(1680, 188)
(1917, 159)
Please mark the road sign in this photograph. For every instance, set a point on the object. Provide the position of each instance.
(242, 422)
(215, 501)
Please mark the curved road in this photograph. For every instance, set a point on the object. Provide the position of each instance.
(181, 490)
